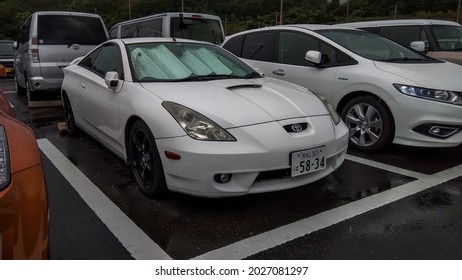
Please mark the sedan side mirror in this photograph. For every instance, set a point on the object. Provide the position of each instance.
(15, 45)
(112, 79)
(313, 57)
(418, 46)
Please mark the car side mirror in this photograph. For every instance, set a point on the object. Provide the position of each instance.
(259, 72)
(112, 79)
(313, 57)
(418, 46)
(15, 45)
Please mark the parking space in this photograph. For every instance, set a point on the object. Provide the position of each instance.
(399, 204)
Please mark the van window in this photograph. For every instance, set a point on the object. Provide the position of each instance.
(67, 29)
(151, 28)
(129, 31)
(404, 34)
(201, 29)
(23, 36)
(449, 37)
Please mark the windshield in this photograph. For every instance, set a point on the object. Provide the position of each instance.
(6, 48)
(374, 47)
(172, 61)
(201, 29)
(449, 37)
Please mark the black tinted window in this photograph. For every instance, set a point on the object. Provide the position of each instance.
(234, 45)
(259, 46)
(293, 47)
(151, 28)
(404, 34)
(104, 59)
(201, 29)
(66, 30)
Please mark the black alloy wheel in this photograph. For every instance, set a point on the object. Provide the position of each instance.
(145, 161)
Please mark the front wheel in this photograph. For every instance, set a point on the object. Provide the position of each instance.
(369, 122)
(145, 161)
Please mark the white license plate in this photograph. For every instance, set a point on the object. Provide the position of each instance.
(307, 161)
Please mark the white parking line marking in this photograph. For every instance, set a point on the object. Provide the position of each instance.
(281, 235)
(132, 238)
(386, 167)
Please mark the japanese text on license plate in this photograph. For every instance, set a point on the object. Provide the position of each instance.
(307, 161)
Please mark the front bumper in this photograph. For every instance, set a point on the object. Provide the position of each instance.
(258, 161)
(414, 115)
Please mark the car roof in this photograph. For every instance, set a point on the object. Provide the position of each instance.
(171, 14)
(312, 27)
(66, 13)
(399, 22)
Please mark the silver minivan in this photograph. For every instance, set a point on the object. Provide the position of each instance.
(194, 26)
(47, 42)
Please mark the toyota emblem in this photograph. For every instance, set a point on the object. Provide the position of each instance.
(75, 48)
(297, 127)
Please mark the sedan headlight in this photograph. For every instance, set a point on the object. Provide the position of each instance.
(335, 116)
(197, 126)
(4, 160)
(445, 96)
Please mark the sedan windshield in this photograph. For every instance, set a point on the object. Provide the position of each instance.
(373, 46)
(449, 37)
(174, 61)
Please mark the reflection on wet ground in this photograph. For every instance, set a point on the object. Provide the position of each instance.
(424, 226)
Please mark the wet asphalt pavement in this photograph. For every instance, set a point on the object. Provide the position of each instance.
(292, 224)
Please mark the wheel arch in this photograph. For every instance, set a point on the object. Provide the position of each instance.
(341, 104)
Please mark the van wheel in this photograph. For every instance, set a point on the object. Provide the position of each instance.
(370, 124)
(19, 89)
(72, 129)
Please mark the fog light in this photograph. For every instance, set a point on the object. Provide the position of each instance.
(222, 178)
(443, 132)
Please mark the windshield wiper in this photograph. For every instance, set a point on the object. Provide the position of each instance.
(208, 77)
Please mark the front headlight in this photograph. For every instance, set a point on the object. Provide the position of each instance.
(196, 125)
(445, 96)
(335, 116)
(4, 160)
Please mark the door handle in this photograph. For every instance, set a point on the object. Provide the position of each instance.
(279, 72)
(82, 86)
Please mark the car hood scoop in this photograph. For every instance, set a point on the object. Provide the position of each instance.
(234, 103)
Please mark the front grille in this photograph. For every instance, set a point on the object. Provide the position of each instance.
(273, 174)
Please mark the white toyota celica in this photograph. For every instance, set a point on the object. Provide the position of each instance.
(191, 117)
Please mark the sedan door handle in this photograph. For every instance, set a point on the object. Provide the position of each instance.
(279, 72)
(82, 86)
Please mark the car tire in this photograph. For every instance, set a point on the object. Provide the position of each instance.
(145, 161)
(19, 89)
(72, 129)
(370, 124)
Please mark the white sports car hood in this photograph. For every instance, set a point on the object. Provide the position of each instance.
(236, 102)
(444, 76)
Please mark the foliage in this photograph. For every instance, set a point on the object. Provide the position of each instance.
(236, 14)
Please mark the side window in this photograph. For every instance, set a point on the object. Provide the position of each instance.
(106, 59)
(234, 45)
(129, 31)
(404, 34)
(151, 28)
(259, 46)
(113, 32)
(23, 36)
(293, 47)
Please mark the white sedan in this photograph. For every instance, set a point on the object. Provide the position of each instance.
(191, 117)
